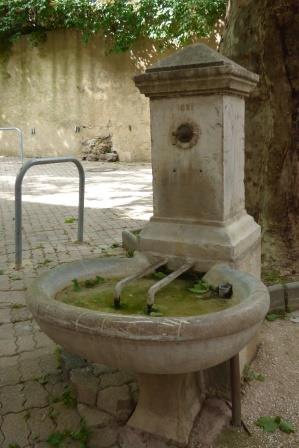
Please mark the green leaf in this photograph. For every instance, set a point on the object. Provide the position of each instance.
(159, 275)
(56, 439)
(276, 314)
(76, 286)
(250, 375)
(286, 426)
(268, 424)
(70, 220)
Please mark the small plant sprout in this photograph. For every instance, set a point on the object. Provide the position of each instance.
(76, 286)
(200, 288)
(130, 253)
(93, 282)
(271, 424)
(70, 220)
(276, 314)
(252, 375)
(159, 275)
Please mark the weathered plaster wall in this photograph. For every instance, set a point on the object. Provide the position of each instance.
(63, 84)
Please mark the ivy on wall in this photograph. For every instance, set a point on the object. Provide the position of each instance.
(122, 22)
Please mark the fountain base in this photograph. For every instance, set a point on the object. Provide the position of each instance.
(167, 405)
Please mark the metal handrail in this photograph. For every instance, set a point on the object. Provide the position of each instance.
(18, 199)
(20, 132)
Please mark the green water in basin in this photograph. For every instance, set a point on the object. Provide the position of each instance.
(173, 300)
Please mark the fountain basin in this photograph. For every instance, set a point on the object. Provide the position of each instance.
(153, 345)
(163, 351)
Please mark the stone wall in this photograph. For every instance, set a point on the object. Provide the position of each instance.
(63, 93)
(64, 84)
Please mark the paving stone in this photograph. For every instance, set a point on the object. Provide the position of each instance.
(116, 401)
(42, 340)
(9, 371)
(4, 282)
(40, 424)
(20, 314)
(7, 348)
(103, 437)
(7, 332)
(66, 418)
(9, 298)
(116, 379)
(5, 316)
(35, 395)
(11, 399)
(85, 385)
(29, 365)
(26, 343)
(94, 417)
(23, 328)
(48, 361)
(15, 428)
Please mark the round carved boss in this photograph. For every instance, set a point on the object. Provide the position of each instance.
(185, 135)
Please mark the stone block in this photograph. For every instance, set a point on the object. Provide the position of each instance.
(9, 372)
(277, 299)
(85, 385)
(116, 379)
(35, 395)
(67, 419)
(132, 437)
(26, 343)
(40, 424)
(103, 438)
(70, 362)
(11, 399)
(293, 295)
(16, 431)
(99, 369)
(94, 417)
(20, 314)
(5, 316)
(8, 348)
(117, 402)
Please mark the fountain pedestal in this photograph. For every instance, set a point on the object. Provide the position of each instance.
(197, 126)
(167, 405)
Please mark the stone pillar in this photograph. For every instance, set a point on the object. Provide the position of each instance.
(197, 128)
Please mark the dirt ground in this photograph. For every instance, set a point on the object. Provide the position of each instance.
(278, 395)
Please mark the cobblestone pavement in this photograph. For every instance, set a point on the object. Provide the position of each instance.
(36, 401)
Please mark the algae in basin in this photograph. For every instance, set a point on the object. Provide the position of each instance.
(176, 299)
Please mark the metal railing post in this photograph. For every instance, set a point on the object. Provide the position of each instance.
(18, 199)
(21, 140)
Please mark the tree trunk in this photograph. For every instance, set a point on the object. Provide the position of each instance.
(262, 35)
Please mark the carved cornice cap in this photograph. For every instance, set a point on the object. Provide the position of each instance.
(196, 70)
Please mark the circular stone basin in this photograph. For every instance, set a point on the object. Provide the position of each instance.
(155, 345)
(165, 352)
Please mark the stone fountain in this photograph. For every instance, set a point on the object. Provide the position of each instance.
(200, 224)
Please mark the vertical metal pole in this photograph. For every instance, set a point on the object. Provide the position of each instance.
(18, 217)
(21, 146)
(81, 201)
(235, 390)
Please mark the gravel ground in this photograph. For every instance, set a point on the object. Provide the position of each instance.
(278, 395)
